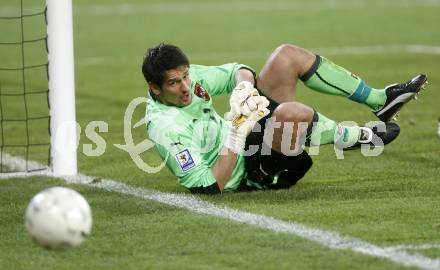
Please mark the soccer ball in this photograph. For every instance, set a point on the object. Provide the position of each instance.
(58, 218)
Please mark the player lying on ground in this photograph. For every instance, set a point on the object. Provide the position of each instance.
(209, 154)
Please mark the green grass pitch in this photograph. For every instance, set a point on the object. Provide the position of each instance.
(389, 200)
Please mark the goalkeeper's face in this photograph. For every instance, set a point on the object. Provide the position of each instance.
(176, 89)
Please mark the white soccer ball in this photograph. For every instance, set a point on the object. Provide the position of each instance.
(58, 218)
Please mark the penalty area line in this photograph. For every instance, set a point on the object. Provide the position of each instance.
(192, 203)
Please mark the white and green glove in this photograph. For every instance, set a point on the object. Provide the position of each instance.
(247, 108)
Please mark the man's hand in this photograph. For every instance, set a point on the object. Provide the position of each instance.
(247, 108)
(240, 101)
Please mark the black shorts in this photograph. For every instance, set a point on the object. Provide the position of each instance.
(272, 170)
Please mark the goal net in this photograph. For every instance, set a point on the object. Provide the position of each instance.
(37, 102)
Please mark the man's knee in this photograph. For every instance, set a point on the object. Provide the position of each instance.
(293, 112)
(289, 51)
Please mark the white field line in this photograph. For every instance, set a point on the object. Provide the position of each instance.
(18, 164)
(415, 247)
(192, 203)
(354, 50)
(6, 176)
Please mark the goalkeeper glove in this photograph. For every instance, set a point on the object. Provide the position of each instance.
(244, 117)
(240, 101)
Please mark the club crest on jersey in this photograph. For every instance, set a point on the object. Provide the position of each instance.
(185, 160)
(201, 92)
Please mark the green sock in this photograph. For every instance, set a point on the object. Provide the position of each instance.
(326, 77)
(327, 131)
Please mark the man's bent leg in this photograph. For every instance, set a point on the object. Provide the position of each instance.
(287, 63)
(280, 74)
(277, 166)
(270, 168)
(282, 161)
(293, 124)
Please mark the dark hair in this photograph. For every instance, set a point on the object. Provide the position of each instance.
(160, 59)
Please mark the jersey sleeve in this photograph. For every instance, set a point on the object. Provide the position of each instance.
(184, 158)
(217, 80)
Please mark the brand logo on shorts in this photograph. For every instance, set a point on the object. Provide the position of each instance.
(185, 160)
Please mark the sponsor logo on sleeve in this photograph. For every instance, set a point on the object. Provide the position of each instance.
(185, 160)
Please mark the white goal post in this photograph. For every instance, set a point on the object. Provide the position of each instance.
(61, 87)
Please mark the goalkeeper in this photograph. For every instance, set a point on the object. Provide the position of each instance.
(247, 150)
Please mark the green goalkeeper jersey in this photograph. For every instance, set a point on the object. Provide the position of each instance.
(189, 139)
